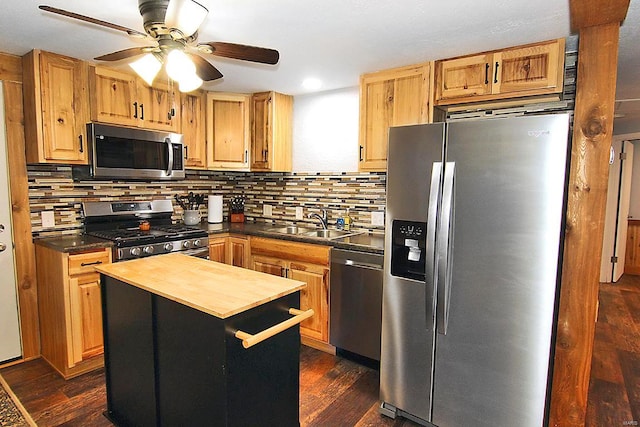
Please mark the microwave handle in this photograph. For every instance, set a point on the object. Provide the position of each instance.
(170, 164)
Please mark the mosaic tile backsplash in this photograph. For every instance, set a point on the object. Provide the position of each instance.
(51, 188)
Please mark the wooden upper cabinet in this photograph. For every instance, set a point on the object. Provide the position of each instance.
(123, 99)
(271, 132)
(55, 108)
(192, 117)
(228, 131)
(395, 97)
(531, 70)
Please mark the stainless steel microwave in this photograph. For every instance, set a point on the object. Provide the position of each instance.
(117, 152)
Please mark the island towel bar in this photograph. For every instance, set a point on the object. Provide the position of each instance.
(249, 340)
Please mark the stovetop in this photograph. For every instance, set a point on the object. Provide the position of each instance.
(156, 234)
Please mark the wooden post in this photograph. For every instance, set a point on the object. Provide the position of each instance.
(599, 24)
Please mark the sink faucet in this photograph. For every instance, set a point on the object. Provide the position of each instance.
(322, 219)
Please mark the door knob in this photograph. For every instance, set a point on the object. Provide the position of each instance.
(1, 228)
(2, 247)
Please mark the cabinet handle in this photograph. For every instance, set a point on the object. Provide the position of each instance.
(249, 340)
(246, 156)
(486, 73)
(141, 111)
(186, 152)
(495, 74)
(266, 155)
(135, 110)
(84, 264)
(361, 148)
(81, 144)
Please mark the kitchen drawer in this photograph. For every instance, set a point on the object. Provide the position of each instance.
(85, 262)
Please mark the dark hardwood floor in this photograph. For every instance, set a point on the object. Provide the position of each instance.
(338, 392)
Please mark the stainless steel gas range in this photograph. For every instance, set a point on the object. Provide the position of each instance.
(142, 228)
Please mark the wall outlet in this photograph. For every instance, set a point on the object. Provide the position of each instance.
(377, 218)
(267, 210)
(299, 212)
(48, 219)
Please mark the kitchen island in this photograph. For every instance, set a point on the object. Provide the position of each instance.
(195, 342)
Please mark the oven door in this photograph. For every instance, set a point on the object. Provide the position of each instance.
(198, 252)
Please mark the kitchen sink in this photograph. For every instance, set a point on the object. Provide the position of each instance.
(313, 232)
(292, 229)
(329, 234)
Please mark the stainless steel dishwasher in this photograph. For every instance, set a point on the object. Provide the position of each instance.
(356, 302)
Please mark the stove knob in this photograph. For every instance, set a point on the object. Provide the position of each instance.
(168, 247)
(148, 250)
(186, 244)
(135, 251)
(197, 243)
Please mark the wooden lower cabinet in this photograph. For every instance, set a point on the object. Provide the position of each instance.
(70, 309)
(307, 263)
(232, 250)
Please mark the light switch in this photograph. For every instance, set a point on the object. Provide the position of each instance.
(299, 213)
(377, 218)
(48, 219)
(267, 210)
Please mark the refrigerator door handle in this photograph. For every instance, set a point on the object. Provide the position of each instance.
(445, 248)
(430, 255)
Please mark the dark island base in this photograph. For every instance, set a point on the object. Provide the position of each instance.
(168, 364)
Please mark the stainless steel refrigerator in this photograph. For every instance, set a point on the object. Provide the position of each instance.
(475, 214)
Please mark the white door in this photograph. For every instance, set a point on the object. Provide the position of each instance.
(618, 199)
(10, 346)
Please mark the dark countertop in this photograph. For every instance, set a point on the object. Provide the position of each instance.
(365, 242)
(73, 243)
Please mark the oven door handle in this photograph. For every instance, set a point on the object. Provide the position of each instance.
(170, 163)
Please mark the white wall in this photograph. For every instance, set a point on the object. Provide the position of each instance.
(325, 131)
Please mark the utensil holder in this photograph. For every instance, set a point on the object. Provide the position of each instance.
(191, 217)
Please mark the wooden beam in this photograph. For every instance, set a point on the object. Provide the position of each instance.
(591, 13)
(10, 68)
(21, 221)
(587, 193)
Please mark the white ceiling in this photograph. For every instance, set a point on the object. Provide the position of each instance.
(333, 40)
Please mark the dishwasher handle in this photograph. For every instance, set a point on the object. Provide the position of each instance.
(359, 264)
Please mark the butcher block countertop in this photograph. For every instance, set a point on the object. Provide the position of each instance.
(211, 287)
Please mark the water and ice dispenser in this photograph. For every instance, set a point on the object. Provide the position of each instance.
(408, 249)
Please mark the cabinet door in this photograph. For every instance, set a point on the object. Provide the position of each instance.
(56, 108)
(390, 98)
(228, 131)
(315, 295)
(113, 97)
(239, 252)
(86, 317)
(462, 77)
(268, 265)
(536, 67)
(218, 249)
(192, 110)
(261, 131)
(158, 107)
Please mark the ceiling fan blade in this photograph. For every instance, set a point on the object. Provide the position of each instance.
(92, 20)
(244, 52)
(204, 69)
(123, 54)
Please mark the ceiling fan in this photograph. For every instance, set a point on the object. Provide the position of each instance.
(173, 25)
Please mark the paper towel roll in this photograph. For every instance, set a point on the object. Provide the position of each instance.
(215, 209)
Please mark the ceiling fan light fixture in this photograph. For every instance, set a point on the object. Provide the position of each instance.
(179, 66)
(190, 83)
(147, 67)
(185, 15)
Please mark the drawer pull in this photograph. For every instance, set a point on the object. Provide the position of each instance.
(85, 264)
(249, 340)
